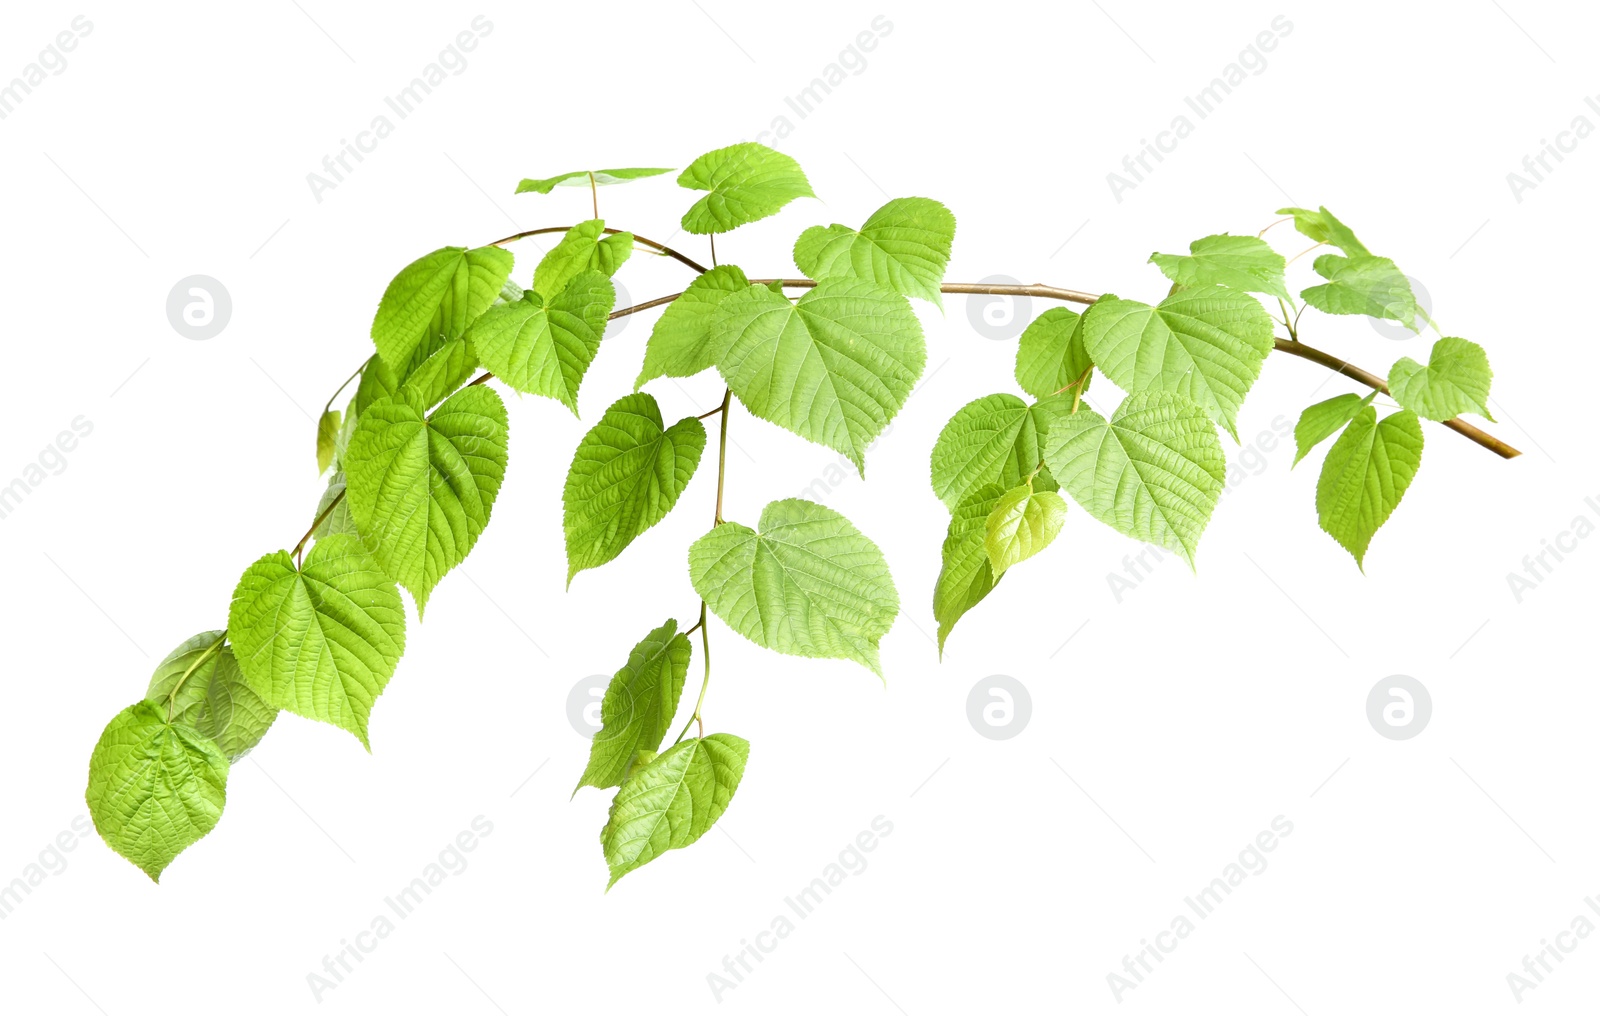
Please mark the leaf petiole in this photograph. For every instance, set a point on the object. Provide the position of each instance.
(172, 696)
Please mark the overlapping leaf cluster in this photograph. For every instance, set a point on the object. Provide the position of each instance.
(415, 462)
(1154, 469)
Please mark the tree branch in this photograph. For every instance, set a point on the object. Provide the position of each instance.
(1372, 380)
(1299, 349)
(1041, 291)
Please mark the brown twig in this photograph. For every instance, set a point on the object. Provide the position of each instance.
(1372, 380)
(660, 247)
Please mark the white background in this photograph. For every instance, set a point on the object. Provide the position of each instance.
(1171, 729)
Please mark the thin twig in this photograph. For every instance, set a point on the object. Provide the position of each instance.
(663, 248)
(1372, 380)
(1299, 349)
(329, 404)
(722, 452)
(320, 518)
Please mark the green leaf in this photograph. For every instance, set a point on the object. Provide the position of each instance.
(338, 519)
(835, 367)
(321, 641)
(1323, 227)
(1206, 344)
(378, 381)
(510, 292)
(154, 787)
(1023, 522)
(585, 248)
(438, 294)
(582, 178)
(347, 426)
(746, 182)
(672, 800)
(543, 350)
(421, 487)
(1365, 475)
(1363, 285)
(443, 372)
(640, 759)
(1455, 381)
(808, 584)
(904, 247)
(1051, 356)
(625, 477)
(681, 344)
(995, 439)
(965, 576)
(1323, 420)
(211, 695)
(327, 439)
(639, 705)
(1154, 471)
(1246, 263)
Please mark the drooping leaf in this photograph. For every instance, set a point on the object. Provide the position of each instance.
(835, 367)
(201, 683)
(672, 800)
(1023, 522)
(1325, 419)
(327, 438)
(1245, 263)
(582, 177)
(1154, 471)
(1454, 381)
(808, 584)
(421, 486)
(995, 439)
(542, 350)
(1051, 356)
(378, 381)
(438, 294)
(965, 576)
(443, 372)
(1323, 227)
(681, 344)
(154, 787)
(639, 705)
(347, 426)
(1365, 475)
(1206, 343)
(322, 640)
(585, 248)
(746, 182)
(625, 477)
(337, 507)
(903, 247)
(1363, 285)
